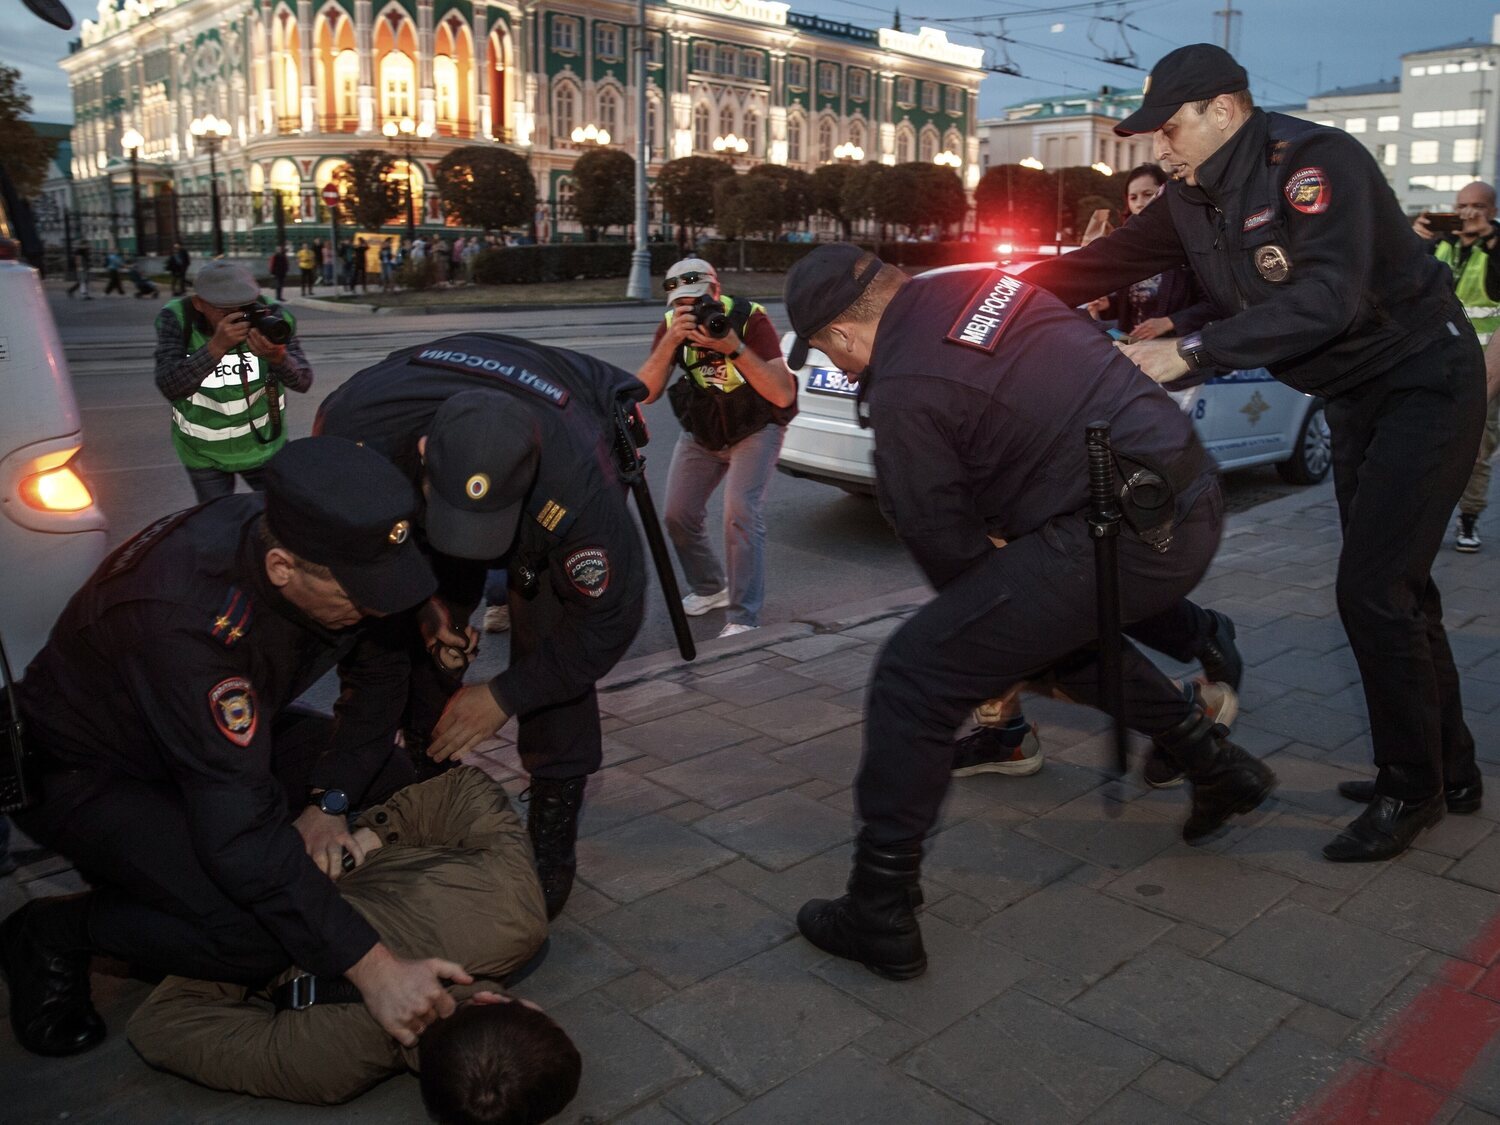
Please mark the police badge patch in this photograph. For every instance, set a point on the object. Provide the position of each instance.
(1272, 263)
(232, 703)
(588, 570)
(1307, 190)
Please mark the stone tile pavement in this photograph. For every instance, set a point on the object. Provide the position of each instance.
(1086, 966)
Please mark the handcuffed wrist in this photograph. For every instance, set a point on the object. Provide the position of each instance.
(1190, 348)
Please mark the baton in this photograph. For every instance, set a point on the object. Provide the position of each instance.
(1104, 529)
(633, 469)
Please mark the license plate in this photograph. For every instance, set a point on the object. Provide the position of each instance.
(829, 381)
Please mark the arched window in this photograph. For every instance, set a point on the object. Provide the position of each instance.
(857, 134)
(564, 110)
(905, 141)
(929, 146)
(653, 125)
(825, 140)
(726, 121)
(397, 79)
(701, 140)
(609, 113)
(794, 140)
(286, 74)
(752, 131)
(445, 83)
(501, 93)
(346, 83)
(565, 193)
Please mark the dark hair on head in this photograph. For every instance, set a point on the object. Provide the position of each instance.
(497, 1064)
(1151, 169)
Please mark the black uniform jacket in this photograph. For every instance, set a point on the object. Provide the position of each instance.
(1297, 238)
(577, 533)
(971, 442)
(170, 664)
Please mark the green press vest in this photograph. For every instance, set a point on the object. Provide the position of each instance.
(713, 402)
(1482, 309)
(211, 427)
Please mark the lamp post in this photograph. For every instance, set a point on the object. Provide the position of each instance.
(211, 132)
(730, 145)
(638, 288)
(590, 134)
(409, 133)
(131, 141)
(850, 152)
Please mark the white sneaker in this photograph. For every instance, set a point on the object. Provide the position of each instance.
(696, 605)
(734, 629)
(497, 619)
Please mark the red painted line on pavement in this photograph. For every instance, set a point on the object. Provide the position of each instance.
(1430, 1046)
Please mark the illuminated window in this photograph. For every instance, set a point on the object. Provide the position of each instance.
(445, 79)
(796, 73)
(1354, 124)
(794, 140)
(701, 127)
(565, 34)
(396, 81)
(703, 56)
(752, 132)
(825, 140)
(1466, 151)
(859, 84)
(346, 83)
(609, 112)
(906, 91)
(564, 110)
(607, 41)
(1424, 152)
(828, 78)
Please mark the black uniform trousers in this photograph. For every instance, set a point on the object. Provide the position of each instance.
(1403, 446)
(153, 905)
(1025, 612)
(558, 741)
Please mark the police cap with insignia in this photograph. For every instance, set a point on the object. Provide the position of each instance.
(337, 504)
(821, 286)
(1193, 73)
(482, 453)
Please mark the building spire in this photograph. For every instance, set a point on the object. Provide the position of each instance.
(896, 22)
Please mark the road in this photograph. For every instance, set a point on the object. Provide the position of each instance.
(825, 548)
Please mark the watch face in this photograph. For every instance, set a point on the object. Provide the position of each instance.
(334, 802)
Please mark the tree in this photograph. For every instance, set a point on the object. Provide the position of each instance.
(371, 197)
(605, 190)
(829, 182)
(864, 187)
(736, 210)
(785, 196)
(486, 187)
(23, 154)
(687, 191)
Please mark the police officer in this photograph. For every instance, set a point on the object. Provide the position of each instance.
(158, 713)
(1292, 230)
(980, 436)
(511, 444)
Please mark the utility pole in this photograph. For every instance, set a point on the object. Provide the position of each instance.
(639, 287)
(1230, 14)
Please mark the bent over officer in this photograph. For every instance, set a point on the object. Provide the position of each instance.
(511, 445)
(158, 712)
(980, 436)
(1292, 229)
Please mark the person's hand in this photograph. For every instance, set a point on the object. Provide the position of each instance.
(369, 840)
(721, 344)
(275, 353)
(1151, 329)
(230, 333)
(1098, 307)
(326, 838)
(1157, 358)
(1419, 224)
(472, 715)
(405, 997)
(682, 327)
(1098, 226)
(452, 648)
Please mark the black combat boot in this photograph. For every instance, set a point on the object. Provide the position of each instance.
(44, 953)
(1226, 780)
(553, 826)
(1218, 654)
(876, 922)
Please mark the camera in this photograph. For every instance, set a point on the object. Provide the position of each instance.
(1444, 222)
(710, 315)
(268, 322)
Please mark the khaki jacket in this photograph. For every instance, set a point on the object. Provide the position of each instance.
(454, 879)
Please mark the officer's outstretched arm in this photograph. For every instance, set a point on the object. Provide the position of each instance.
(1145, 246)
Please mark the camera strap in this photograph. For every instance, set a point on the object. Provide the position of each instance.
(272, 392)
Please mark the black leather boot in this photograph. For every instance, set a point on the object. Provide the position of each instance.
(876, 922)
(1460, 799)
(1226, 780)
(50, 1009)
(1220, 658)
(552, 825)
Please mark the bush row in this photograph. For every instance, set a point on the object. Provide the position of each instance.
(564, 261)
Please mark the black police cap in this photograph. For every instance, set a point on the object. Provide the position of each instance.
(337, 504)
(821, 286)
(1193, 73)
(483, 448)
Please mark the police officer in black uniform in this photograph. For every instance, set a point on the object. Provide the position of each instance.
(158, 714)
(1294, 233)
(512, 445)
(980, 436)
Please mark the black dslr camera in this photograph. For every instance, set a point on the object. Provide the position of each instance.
(268, 322)
(710, 316)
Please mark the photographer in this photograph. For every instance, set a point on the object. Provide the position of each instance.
(1467, 245)
(734, 399)
(215, 354)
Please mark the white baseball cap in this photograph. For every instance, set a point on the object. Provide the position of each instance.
(690, 277)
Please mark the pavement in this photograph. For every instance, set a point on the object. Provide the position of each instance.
(1086, 966)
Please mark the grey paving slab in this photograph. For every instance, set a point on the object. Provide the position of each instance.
(1300, 716)
(1173, 1084)
(992, 863)
(1311, 784)
(615, 796)
(1292, 844)
(889, 1041)
(822, 876)
(847, 670)
(577, 962)
(778, 830)
(851, 1089)
(685, 735)
(761, 1022)
(702, 1100)
(728, 777)
(644, 856)
(750, 684)
(625, 1062)
(1436, 912)
(1272, 1082)
(1193, 1012)
(1206, 889)
(1107, 832)
(650, 699)
(814, 647)
(833, 756)
(1020, 1060)
(1327, 960)
(963, 972)
(1481, 1085)
(1131, 1107)
(1075, 929)
(1455, 836)
(692, 930)
(1481, 867)
(1058, 783)
(797, 718)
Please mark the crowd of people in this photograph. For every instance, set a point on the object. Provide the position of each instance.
(345, 899)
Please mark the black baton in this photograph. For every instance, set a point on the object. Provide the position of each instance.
(633, 469)
(1104, 529)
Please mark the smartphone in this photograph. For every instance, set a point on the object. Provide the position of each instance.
(1444, 222)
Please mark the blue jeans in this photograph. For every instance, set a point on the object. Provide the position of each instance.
(210, 484)
(748, 465)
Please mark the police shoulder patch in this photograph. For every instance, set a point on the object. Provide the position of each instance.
(232, 704)
(991, 310)
(233, 619)
(588, 570)
(1308, 190)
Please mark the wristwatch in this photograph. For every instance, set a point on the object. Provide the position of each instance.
(736, 353)
(334, 802)
(1191, 349)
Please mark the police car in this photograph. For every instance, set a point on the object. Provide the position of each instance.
(1243, 418)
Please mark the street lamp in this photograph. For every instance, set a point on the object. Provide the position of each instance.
(948, 159)
(734, 146)
(211, 132)
(590, 134)
(131, 141)
(410, 133)
(848, 151)
(1102, 168)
